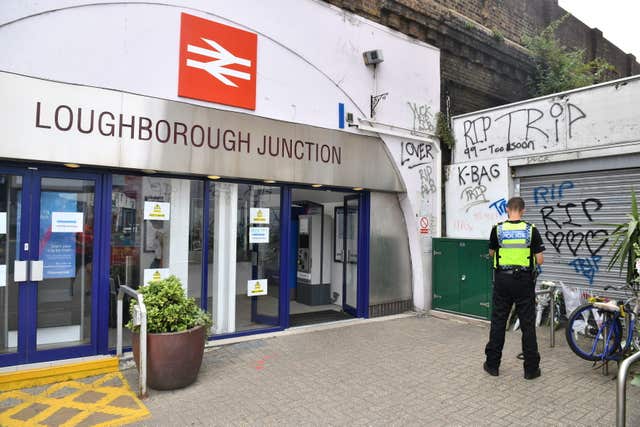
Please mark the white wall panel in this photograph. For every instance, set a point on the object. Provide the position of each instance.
(584, 118)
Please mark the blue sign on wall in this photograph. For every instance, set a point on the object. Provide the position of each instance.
(57, 250)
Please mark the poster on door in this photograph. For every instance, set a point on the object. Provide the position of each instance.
(256, 287)
(259, 235)
(57, 250)
(259, 215)
(153, 274)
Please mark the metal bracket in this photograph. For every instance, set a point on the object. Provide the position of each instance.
(436, 296)
(437, 253)
(375, 99)
(485, 304)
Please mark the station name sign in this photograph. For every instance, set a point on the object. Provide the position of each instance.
(65, 123)
(88, 121)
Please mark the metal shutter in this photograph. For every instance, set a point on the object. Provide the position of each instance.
(570, 211)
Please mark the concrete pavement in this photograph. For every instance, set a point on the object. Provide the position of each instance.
(411, 371)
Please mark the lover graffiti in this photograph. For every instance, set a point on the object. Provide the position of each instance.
(570, 228)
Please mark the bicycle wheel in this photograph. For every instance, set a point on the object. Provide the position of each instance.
(585, 332)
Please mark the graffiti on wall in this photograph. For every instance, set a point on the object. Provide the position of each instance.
(422, 117)
(474, 180)
(570, 226)
(475, 197)
(417, 165)
(520, 131)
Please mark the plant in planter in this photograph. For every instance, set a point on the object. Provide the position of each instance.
(176, 332)
(625, 236)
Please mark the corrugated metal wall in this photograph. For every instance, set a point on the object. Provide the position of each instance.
(390, 287)
(571, 211)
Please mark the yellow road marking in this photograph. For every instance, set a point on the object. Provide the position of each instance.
(102, 405)
(52, 374)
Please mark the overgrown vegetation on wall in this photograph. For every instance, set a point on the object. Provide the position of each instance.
(443, 130)
(558, 68)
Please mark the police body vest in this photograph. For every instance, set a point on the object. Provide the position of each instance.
(514, 240)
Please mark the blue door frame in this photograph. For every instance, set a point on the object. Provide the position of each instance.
(362, 275)
(27, 351)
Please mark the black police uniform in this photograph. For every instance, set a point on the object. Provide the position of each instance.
(514, 286)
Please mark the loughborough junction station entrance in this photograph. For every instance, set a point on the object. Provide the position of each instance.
(82, 213)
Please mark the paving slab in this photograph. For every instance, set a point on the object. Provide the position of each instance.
(411, 371)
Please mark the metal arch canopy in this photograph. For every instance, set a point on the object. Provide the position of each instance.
(58, 122)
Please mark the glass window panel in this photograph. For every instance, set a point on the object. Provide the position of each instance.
(64, 296)
(351, 261)
(168, 241)
(257, 261)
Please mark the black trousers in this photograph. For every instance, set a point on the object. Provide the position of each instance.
(509, 289)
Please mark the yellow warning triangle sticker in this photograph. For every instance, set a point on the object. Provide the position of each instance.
(157, 211)
(256, 288)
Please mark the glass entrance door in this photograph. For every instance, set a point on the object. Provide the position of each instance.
(47, 225)
(350, 260)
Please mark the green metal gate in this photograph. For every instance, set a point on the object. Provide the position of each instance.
(462, 276)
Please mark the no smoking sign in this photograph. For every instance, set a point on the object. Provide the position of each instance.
(424, 225)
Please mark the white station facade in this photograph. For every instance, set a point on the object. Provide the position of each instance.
(284, 179)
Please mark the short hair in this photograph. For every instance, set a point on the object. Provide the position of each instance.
(516, 204)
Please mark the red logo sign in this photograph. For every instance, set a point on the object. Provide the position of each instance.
(217, 63)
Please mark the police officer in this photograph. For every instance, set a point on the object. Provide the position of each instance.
(516, 248)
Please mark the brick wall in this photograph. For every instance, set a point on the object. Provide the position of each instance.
(478, 70)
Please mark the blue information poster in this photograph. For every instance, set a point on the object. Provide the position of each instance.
(57, 250)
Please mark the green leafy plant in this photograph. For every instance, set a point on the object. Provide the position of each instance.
(557, 68)
(625, 242)
(497, 35)
(168, 308)
(443, 131)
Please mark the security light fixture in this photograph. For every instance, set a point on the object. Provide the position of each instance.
(372, 57)
(149, 171)
(316, 185)
(72, 165)
(213, 177)
(269, 181)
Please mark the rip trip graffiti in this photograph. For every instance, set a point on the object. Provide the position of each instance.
(422, 117)
(525, 130)
(569, 226)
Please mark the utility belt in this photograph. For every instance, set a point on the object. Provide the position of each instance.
(516, 271)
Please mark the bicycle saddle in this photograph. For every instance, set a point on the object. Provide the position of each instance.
(607, 306)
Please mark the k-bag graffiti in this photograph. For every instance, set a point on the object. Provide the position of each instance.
(476, 194)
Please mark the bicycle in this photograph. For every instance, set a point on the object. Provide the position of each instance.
(595, 330)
